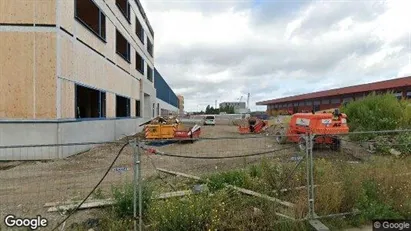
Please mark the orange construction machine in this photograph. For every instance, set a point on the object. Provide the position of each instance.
(325, 128)
(254, 126)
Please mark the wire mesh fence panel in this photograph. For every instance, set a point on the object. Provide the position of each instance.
(223, 180)
(43, 187)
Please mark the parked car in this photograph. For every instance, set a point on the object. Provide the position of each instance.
(209, 120)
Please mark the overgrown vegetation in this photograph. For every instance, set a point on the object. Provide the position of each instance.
(377, 188)
(379, 113)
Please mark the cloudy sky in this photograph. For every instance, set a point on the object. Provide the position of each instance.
(221, 50)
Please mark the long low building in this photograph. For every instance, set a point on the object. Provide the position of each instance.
(167, 100)
(323, 100)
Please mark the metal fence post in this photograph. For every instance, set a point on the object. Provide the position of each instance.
(135, 165)
(309, 139)
(140, 196)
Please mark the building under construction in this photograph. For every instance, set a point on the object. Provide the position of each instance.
(74, 71)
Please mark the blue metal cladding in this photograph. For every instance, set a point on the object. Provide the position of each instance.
(164, 91)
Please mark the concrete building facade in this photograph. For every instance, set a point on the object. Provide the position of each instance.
(181, 104)
(73, 71)
(239, 107)
(167, 100)
(323, 100)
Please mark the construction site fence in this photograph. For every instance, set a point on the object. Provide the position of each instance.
(32, 188)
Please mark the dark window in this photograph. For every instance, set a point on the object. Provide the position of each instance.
(122, 46)
(325, 101)
(295, 104)
(276, 106)
(154, 109)
(139, 63)
(88, 14)
(124, 7)
(149, 47)
(139, 30)
(138, 109)
(308, 103)
(398, 94)
(149, 73)
(335, 101)
(317, 102)
(348, 99)
(90, 103)
(301, 103)
(122, 106)
(158, 109)
(408, 94)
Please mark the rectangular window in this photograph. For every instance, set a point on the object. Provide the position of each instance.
(325, 101)
(301, 103)
(408, 94)
(158, 109)
(149, 47)
(90, 103)
(122, 46)
(276, 106)
(347, 99)
(138, 109)
(139, 30)
(154, 108)
(317, 102)
(398, 94)
(290, 105)
(295, 104)
(335, 101)
(308, 103)
(89, 15)
(149, 73)
(124, 7)
(139, 63)
(122, 106)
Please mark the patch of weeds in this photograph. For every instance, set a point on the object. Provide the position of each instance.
(371, 205)
(235, 177)
(124, 198)
(195, 212)
(98, 194)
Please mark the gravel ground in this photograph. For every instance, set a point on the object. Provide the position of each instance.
(26, 186)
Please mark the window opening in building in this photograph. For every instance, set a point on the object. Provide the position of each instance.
(138, 108)
(398, 94)
(89, 15)
(149, 47)
(408, 94)
(149, 73)
(124, 7)
(325, 101)
(154, 109)
(122, 106)
(90, 103)
(139, 30)
(158, 109)
(317, 102)
(301, 103)
(335, 101)
(139, 63)
(308, 103)
(122, 46)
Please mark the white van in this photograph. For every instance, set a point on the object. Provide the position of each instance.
(209, 120)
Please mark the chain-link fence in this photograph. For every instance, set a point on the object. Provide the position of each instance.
(222, 181)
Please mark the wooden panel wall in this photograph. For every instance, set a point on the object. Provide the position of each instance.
(45, 77)
(67, 99)
(28, 11)
(16, 75)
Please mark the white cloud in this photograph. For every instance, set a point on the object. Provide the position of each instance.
(211, 51)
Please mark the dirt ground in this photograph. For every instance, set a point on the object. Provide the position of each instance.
(26, 186)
